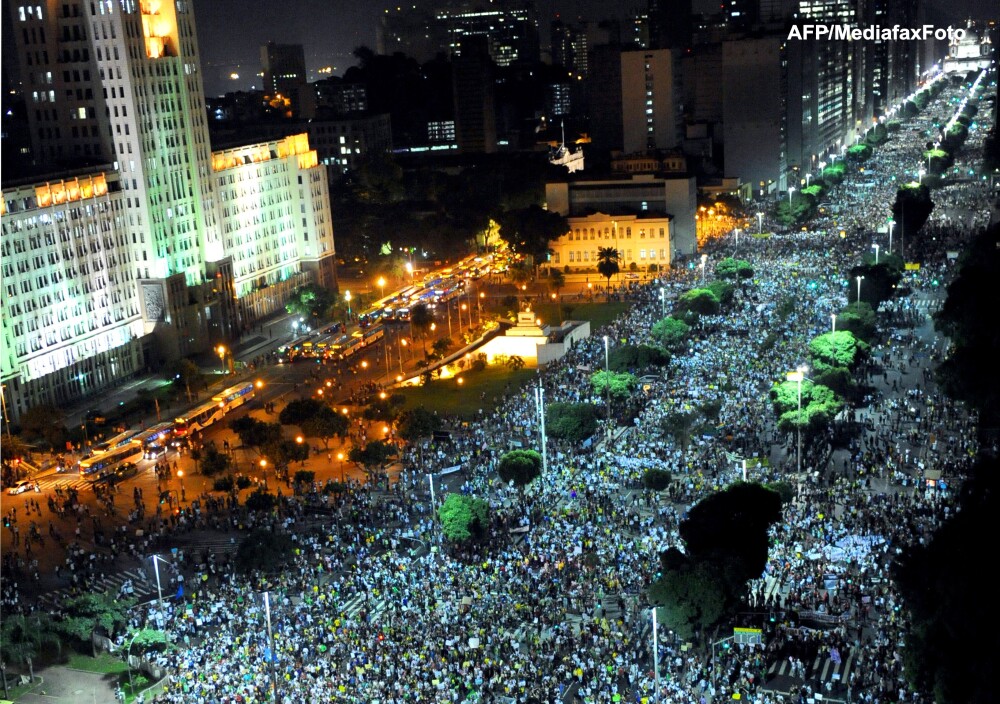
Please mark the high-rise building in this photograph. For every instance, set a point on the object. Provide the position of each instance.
(511, 30)
(670, 24)
(639, 103)
(146, 243)
(284, 69)
(475, 109)
(753, 74)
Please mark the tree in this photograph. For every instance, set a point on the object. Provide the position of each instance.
(859, 320)
(264, 550)
(381, 410)
(255, 433)
(261, 502)
(725, 538)
(529, 230)
(819, 405)
(556, 280)
(951, 644)
(418, 423)
(679, 425)
(299, 410)
(701, 301)
(185, 374)
(637, 358)
(24, 637)
(421, 318)
(464, 517)
(441, 346)
(573, 422)
(968, 373)
(656, 479)
(43, 423)
(672, 333)
(373, 457)
(837, 349)
(607, 265)
(619, 385)
(689, 595)
(311, 302)
(520, 467)
(214, 462)
(325, 424)
(912, 208)
(730, 268)
(91, 612)
(283, 452)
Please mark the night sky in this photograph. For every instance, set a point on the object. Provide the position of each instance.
(230, 32)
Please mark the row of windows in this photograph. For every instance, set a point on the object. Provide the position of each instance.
(609, 232)
(624, 255)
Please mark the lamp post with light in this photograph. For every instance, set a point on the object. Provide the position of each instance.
(760, 223)
(797, 376)
(859, 279)
(704, 260)
(875, 247)
(607, 385)
(347, 297)
(892, 224)
(221, 350)
(791, 190)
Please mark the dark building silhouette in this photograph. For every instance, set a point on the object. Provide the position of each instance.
(475, 112)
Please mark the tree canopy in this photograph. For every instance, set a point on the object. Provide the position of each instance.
(325, 424)
(819, 405)
(529, 230)
(725, 538)
(670, 332)
(418, 423)
(618, 384)
(699, 300)
(730, 268)
(311, 302)
(464, 517)
(264, 550)
(573, 422)
(520, 467)
(637, 357)
(837, 349)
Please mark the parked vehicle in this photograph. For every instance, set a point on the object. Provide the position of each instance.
(21, 487)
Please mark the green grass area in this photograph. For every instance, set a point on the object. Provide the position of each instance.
(448, 397)
(598, 313)
(104, 663)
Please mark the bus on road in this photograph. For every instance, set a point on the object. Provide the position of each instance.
(199, 418)
(101, 466)
(115, 442)
(235, 396)
(157, 436)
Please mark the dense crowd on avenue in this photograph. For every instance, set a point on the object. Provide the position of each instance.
(560, 611)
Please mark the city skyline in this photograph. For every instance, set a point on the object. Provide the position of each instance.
(225, 51)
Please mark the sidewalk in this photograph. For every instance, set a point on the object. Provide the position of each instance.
(64, 685)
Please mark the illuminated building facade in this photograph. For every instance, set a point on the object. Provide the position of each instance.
(166, 267)
(276, 227)
(639, 241)
(71, 318)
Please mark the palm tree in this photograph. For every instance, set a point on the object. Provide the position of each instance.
(22, 638)
(607, 265)
(421, 318)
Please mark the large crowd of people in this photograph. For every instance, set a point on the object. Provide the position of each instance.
(558, 612)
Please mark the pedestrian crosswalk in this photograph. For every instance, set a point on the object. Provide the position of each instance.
(830, 669)
(51, 482)
(928, 304)
(353, 606)
(143, 589)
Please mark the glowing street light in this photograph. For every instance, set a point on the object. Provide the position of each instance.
(704, 260)
(760, 223)
(875, 247)
(347, 297)
(791, 190)
(221, 350)
(859, 279)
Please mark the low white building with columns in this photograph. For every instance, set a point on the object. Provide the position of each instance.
(639, 240)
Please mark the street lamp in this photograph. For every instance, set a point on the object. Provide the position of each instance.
(663, 301)
(159, 592)
(791, 190)
(892, 224)
(381, 286)
(479, 308)
(737, 231)
(400, 344)
(760, 223)
(875, 247)
(797, 376)
(859, 279)
(340, 456)
(704, 260)
(607, 385)
(656, 658)
(833, 319)
(347, 297)
(273, 653)
(222, 356)
(540, 401)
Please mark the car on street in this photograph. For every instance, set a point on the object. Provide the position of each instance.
(21, 487)
(129, 469)
(155, 452)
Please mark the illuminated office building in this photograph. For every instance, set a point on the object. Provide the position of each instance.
(119, 84)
